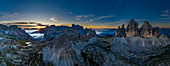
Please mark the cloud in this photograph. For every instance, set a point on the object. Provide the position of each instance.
(123, 21)
(25, 24)
(166, 11)
(101, 17)
(165, 18)
(165, 15)
(5, 15)
(118, 22)
(53, 19)
(80, 17)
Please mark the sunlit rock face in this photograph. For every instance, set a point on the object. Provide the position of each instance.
(146, 30)
(65, 49)
(132, 29)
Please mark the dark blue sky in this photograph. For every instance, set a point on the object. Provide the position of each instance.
(90, 13)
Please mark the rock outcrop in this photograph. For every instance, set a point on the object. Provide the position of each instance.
(12, 53)
(77, 27)
(146, 30)
(53, 31)
(120, 32)
(139, 44)
(132, 29)
(14, 32)
(65, 50)
(3, 28)
(136, 49)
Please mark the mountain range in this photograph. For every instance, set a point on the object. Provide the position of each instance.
(76, 46)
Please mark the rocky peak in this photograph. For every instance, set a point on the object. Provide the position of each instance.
(77, 27)
(3, 28)
(14, 32)
(91, 33)
(123, 27)
(132, 28)
(146, 30)
(13, 26)
(146, 25)
(155, 32)
(50, 32)
(120, 32)
(68, 35)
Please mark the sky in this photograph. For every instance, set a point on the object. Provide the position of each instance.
(89, 13)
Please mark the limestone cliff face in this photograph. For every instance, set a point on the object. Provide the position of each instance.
(146, 30)
(132, 29)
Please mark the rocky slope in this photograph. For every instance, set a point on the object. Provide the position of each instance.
(14, 32)
(17, 52)
(66, 49)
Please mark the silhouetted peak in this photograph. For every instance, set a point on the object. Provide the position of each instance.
(146, 22)
(13, 26)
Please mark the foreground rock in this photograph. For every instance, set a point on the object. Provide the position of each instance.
(16, 52)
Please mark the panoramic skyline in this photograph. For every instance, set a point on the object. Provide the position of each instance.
(90, 14)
